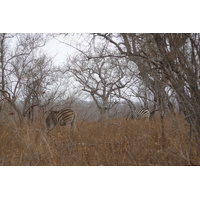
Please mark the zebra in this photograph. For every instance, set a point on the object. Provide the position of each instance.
(143, 114)
(61, 118)
(140, 114)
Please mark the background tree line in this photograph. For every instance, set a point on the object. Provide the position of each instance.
(166, 65)
(161, 71)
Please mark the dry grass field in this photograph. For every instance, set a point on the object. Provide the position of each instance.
(112, 142)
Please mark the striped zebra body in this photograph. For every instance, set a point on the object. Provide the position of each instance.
(140, 114)
(143, 114)
(62, 118)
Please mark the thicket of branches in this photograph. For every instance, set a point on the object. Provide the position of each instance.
(168, 65)
(161, 70)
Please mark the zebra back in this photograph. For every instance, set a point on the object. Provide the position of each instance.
(143, 114)
(62, 118)
(140, 114)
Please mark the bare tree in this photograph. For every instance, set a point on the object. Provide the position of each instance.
(102, 78)
(16, 52)
(167, 63)
(165, 60)
(26, 73)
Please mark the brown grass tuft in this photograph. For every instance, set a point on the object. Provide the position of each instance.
(111, 143)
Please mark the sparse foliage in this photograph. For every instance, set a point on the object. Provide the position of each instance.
(102, 78)
(108, 73)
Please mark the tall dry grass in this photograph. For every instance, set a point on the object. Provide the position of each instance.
(111, 143)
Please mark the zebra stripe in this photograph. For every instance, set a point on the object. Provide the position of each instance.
(62, 118)
(140, 114)
(143, 114)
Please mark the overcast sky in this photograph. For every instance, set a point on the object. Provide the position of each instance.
(58, 51)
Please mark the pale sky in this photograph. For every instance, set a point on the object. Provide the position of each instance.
(58, 51)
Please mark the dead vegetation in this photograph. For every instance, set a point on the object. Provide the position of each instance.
(113, 142)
